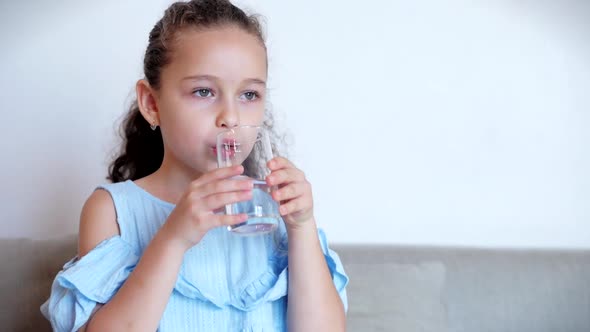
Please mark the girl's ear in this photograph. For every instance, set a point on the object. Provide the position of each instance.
(146, 100)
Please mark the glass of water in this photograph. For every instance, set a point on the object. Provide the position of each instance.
(250, 146)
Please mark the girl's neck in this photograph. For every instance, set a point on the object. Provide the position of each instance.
(170, 181)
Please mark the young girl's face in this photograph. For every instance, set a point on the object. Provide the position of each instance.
(216, 80)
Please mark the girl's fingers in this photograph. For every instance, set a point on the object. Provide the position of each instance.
(218, 174)
(292, 206)
(279, 162)
(226, 185)
(285, 175)
(291, 191)
(216, 201)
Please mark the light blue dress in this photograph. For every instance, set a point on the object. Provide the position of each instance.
(227, 282)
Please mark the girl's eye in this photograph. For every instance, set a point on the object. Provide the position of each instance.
(250, 95)
(203, 93)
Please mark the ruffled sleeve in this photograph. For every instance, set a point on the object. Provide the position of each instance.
(336, 268)
(273, 284)
(95, 278)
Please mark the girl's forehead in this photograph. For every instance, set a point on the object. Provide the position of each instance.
(223, 52)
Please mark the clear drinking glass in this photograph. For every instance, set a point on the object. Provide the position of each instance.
(250, 146)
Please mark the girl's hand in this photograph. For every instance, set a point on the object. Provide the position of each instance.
(294, 193)
(194, 215)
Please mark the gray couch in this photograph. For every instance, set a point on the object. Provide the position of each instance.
(392, 288)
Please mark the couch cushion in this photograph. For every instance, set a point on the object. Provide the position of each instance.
(509, 290)
(396, 297)
(28, 269)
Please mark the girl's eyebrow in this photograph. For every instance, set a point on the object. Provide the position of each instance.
(215, 78)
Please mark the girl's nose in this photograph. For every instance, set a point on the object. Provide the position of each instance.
(229, 117)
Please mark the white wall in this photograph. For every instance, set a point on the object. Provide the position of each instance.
(428, 122)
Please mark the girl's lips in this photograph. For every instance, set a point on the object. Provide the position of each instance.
(228, 151)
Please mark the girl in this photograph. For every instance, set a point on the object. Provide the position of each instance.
(153, 254)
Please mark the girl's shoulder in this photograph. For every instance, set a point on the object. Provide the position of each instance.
(98, 222)
(138, 213)
(132, 193)
(117, 188)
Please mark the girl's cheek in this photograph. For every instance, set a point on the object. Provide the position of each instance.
(252, 108)
(202, 103)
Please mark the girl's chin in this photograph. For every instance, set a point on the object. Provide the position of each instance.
(210, 165)
(203, 167)
(198, 169)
